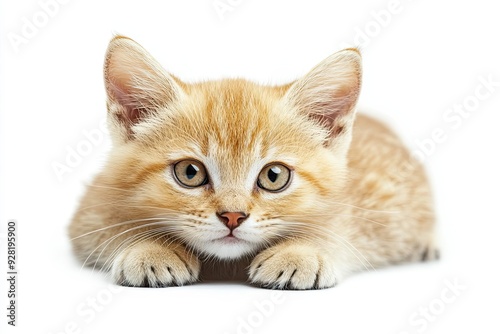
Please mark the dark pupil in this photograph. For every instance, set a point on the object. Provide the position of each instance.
(273, 173)
(191, 171)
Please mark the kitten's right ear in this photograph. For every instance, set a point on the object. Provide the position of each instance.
(137, 87)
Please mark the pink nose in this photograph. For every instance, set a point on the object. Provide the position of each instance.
(232, 219)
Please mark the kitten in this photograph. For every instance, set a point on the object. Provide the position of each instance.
(215, 172)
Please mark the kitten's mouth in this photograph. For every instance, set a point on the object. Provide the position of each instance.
(229, 247)
(230, 238)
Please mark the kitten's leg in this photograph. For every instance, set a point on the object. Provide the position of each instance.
(297, 265)
(155, 264)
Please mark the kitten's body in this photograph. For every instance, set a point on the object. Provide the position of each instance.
(348, 205)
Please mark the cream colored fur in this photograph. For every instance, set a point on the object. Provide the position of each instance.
(356, 199)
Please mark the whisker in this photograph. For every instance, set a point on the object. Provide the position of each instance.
(330, 215)
(115, 225)
(126, 240)
(307, 232)
(130, 242)
(364, 209)
(100, 204)
(109, 240)
(111, 188)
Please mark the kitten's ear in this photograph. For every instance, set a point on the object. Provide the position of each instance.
(137, 86)
(328, 94)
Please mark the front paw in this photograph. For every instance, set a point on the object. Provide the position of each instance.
(292, 266)
(155, 265)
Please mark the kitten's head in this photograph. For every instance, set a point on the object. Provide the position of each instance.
(229, 166)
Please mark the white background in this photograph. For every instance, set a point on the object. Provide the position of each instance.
(424, 59)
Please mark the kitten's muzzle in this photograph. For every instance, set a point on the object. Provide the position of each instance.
(232, 219)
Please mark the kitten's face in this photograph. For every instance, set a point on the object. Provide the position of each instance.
(222, 147)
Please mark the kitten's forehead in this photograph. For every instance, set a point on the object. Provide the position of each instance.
(239, 114)
(236, 128)
(236, 116)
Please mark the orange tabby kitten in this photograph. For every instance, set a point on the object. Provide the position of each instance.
(286, 178)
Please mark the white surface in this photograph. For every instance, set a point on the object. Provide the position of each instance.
(429, 57)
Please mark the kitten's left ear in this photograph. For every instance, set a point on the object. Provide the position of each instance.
(328, 95)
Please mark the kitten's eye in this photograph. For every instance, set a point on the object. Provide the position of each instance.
(274, 177)
(190, 173)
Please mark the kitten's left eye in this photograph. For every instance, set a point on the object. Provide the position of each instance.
(190, 173)
(274, 177)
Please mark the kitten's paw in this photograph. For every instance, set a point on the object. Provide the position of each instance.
(155, 265)
(292, 266)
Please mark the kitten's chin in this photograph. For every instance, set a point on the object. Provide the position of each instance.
(228, 248)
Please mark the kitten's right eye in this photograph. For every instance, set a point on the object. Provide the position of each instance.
(190, 173)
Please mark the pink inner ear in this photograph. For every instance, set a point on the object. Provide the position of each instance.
(131, 116)
(132, 113)
(339, 105)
